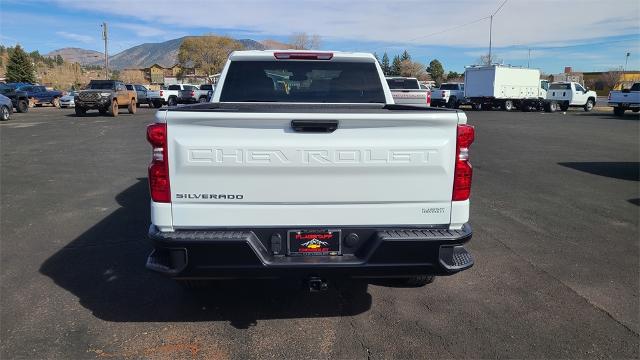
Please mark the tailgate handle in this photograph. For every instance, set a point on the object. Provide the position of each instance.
(315, 126)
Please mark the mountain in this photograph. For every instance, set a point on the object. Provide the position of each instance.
(78, 55)
(164, 54)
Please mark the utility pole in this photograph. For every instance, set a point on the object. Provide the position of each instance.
(105, 37)
(491, 27)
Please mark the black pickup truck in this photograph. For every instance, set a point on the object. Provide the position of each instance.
(19, 98)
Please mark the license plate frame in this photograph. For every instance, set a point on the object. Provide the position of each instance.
(309, 242)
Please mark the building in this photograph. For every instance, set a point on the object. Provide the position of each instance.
(158, 75)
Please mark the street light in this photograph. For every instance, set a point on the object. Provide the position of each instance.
(491, 26)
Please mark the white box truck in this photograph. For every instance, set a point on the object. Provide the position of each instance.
(488, 86)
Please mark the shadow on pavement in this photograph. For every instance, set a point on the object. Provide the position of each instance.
(617, 170)
(104, 268)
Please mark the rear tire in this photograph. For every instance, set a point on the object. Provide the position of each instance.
(508, 105)
(589, 105)
(202, 100)
(80, 111)
(5, 113)
(132, 107)
(172, 101)
(157, 104)
(22, 106)
(564, 107)
(113, 110)
(476, 107)
(56, 102)
(618, 111)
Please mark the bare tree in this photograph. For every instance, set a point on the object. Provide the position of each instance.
(304, 41)
(413, 69)
(611, 78)
(485, 60)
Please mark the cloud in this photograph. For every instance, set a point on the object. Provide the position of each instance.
(76, 37)
(520, 22)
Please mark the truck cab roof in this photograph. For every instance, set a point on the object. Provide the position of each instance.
(299, 54)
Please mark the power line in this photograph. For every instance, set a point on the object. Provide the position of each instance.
(451, 28)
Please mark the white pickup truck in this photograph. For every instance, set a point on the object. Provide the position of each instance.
(571, 94)
(626, 99)
(450, 95)
(171, 94)
(303, 166)
(409, 91)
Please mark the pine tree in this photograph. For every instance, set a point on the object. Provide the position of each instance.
(386, 68)
(405, 56)
(395, 66)
(59, 59)
(20, 68)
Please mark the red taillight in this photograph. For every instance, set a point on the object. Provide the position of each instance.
(428, 97)
(161, 93)
(159, 185)
(193, 93)
(303, 55)
(463, 170)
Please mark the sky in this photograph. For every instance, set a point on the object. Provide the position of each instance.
(587, 35)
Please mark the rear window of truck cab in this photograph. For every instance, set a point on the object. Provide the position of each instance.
(560, 87)
(403, 84)
(302, 81)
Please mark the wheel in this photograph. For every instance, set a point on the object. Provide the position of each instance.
(525, 107)
(157, 104)
(588, 106)
(5, 113)
(415, 281)
(113, 110)
(452, 103)
(22, 106)
(172, 101)
(618, 111)
(508, 105)
(564, 107)
(56, 102)
(80, 111)
(202, 100)
(476, 107)
(132, 107)
(551, 107)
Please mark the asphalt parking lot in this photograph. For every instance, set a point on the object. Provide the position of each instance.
(555, 211)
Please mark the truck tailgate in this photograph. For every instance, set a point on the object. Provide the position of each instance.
(236, 169)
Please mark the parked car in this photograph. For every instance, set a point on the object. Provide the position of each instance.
(407, 91)
(146, 96)
(194, 95)
(106, 96)
(450, 95)
(18, 98)
(39, 95)
(68, 101)
(322, 176)
(572, 94)
(6, 108)
(506, 87)
(626, 99)
(172, 92)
